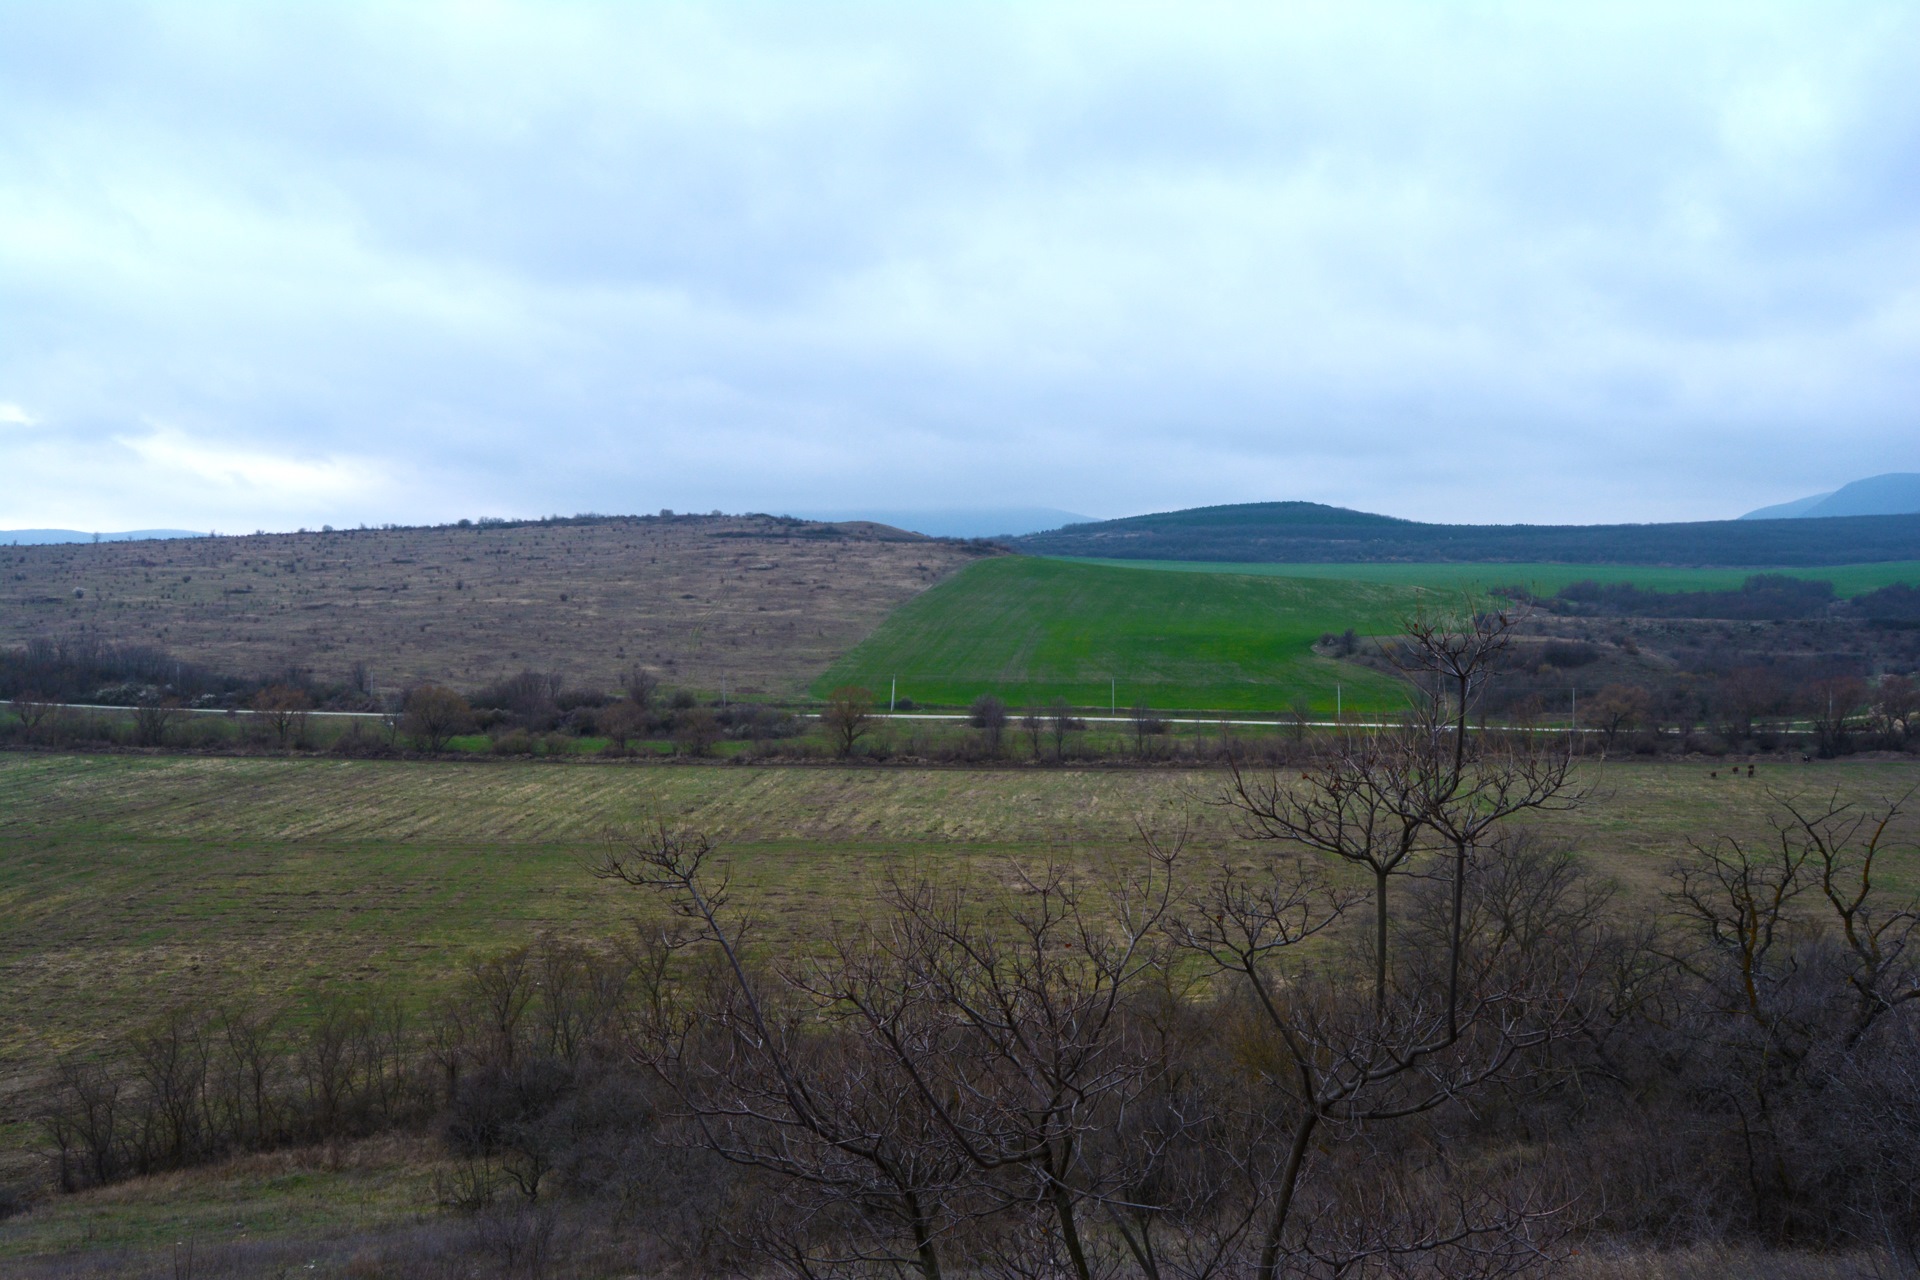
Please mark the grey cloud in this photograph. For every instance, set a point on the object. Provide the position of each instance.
(1587, 262)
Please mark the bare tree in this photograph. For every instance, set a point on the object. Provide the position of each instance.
(1039, 991)
(1361, 803)
(641, 686)
(1032, 725)
(1146, 727)
(434, 715)
(1617, 708)
(622, 722)
(696, 730)
(154, 720)
(765, 1087)
(1896, 700)
(1832, 704)
(283, 709)
(32, 711)
(989, 715)
(1060, 722)
(1787, 994)
(1430, 797)
(1741, 895)
(848, 716)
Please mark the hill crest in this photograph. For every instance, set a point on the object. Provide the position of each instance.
(1307, 532)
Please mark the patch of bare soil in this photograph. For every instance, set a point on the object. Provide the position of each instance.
(762, 603)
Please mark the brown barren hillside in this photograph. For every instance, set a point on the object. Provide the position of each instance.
(764, 603)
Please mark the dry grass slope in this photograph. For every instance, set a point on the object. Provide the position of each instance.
(763, 604)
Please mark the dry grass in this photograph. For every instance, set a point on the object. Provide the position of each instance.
(765, 605)
(309, 1191)
(127, 882)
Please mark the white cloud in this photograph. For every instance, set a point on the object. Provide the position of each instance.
(13, 415)
(278, 479)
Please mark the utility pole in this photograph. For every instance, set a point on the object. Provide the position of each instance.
(1336, 700)
(1113, 695)
(893, 694)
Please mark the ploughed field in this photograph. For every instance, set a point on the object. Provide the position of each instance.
(128, 883)
(759, 604)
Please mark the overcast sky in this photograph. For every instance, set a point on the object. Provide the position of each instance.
(269, 265)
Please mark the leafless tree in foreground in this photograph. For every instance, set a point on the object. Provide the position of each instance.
(1465, 1006)
(950, 1070)
(740, 1048)
(1800, 965)
(1028, 1078)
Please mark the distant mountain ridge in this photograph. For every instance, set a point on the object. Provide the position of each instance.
(1309, 532)
(1895, 493)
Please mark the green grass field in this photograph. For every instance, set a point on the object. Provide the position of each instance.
(1032, 629)
(1198, 635)
(1544, 579)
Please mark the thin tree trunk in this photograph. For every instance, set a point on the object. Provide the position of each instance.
(1063, 1210)
(1289, 1180)
(1453, 950)
(922, 1239)
(1380, 946)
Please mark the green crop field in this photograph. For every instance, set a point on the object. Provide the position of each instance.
(1544, 579)
(1031, 629)
(1198, 635)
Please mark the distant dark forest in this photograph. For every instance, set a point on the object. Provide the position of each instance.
(1307, 532)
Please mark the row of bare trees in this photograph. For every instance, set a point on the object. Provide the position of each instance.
(1831, 715)
(204, 1080)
